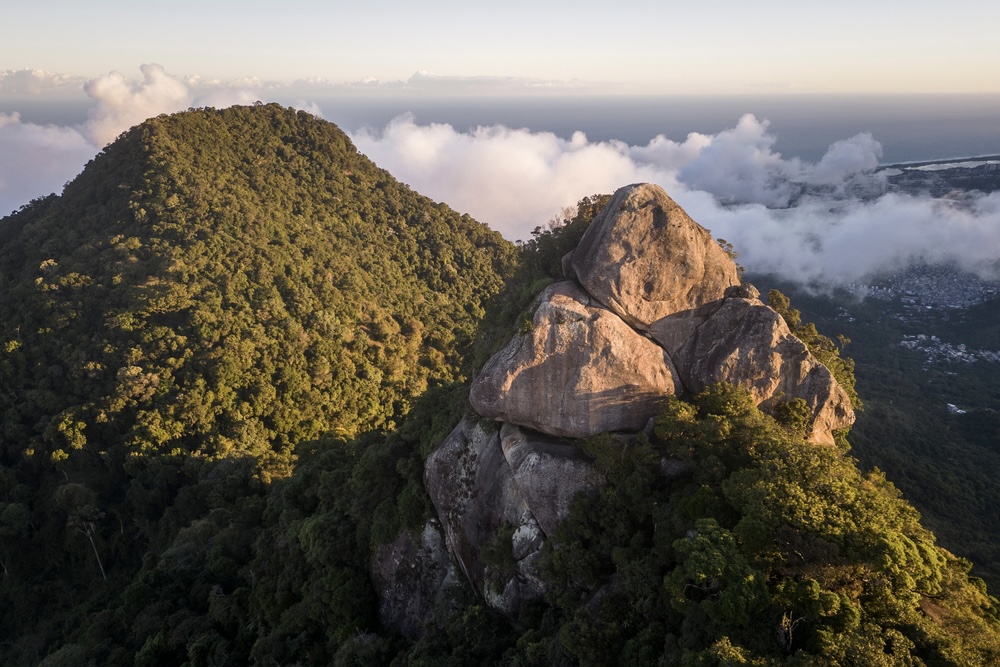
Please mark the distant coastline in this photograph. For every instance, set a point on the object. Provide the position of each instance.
(925, 163)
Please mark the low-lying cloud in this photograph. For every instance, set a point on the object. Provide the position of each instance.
(826, 222)
(37, 159)
(831, 221)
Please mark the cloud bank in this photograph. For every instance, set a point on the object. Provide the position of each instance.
(826, 222)
(831, 221)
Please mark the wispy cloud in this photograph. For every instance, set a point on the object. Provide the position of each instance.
(27, 83)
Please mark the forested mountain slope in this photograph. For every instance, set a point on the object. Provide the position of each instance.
(946, 463)
(215, 286)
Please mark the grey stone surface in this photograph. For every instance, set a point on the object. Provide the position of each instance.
(409, 575)
(548, 472)
(747, 343)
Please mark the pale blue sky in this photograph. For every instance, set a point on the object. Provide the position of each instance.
(710, 46)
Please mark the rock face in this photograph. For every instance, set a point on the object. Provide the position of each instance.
(473, 492)
(747, 343)
(649, 284)
(482, 480)
(579, 371)
(652, 307)
(547, 471)
(412, 574)
(651, 264)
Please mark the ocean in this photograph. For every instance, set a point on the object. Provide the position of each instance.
(909, 127)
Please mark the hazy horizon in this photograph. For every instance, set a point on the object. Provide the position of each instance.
(718, 46)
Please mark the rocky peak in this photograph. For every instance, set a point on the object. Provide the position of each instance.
(655, 307)
(652, 307)
(652, 265)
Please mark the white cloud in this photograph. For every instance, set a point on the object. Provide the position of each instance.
(122, 103)
(800, 219)
(791, 217)
(36, 83)
(512, 179)
(846, 159)
(221, 98)
(37, 159)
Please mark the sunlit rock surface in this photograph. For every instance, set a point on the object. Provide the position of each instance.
(747, 343)
(579, 370)
(654, 266)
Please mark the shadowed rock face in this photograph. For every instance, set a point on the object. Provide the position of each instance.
(411, 574)
(651, 264)
(473, 492)
(580, 371)
(480, 479)
(548, 472)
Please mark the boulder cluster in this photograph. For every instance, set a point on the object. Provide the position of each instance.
(652, 306)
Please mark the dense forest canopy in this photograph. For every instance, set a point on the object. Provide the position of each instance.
(231, 281)
(215, 286)
(226, 351)
(945, 464)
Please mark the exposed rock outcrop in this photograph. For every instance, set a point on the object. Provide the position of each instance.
(644, 267)
(547, 471)
(474, 495)
(579, 371)
(747, 343)
(489, 484)
(412, 574)
(473, 491)
(654, 266)
(658, 311)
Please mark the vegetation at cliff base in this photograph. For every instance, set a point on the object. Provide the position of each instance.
(758, 548)
(945, 464)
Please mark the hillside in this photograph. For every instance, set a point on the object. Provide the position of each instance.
(216, 286)
(945, 463)
(200, 252)
(719, 525)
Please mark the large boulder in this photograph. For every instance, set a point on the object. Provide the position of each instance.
(658, 311)
(579, 370)
(747, 343)
(655, 267)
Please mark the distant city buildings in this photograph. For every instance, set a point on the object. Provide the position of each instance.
(935, 349)
(928, 287)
